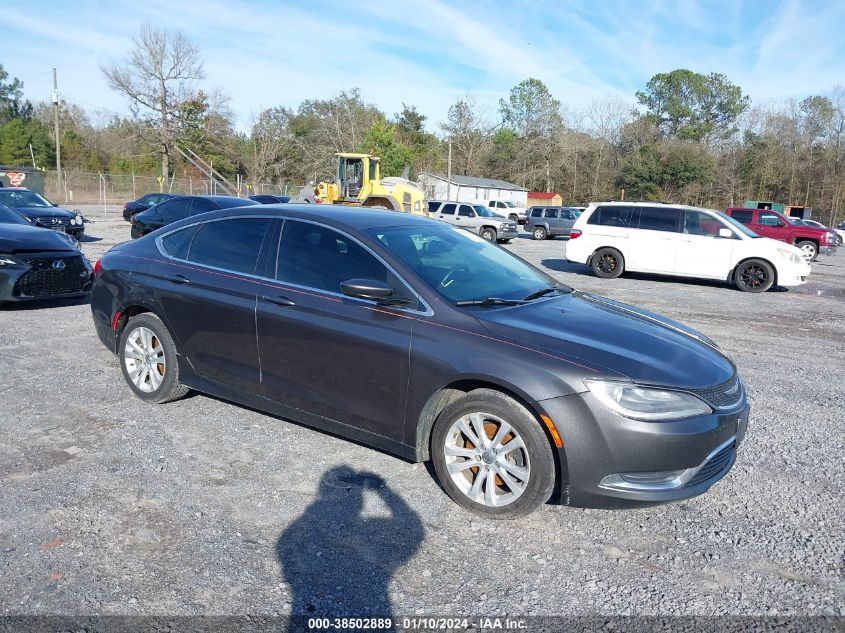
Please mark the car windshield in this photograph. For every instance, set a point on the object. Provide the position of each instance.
(739, 226)
(484, 211)
(510, 204)
(23, 199)
(461, 266)
(7, 216)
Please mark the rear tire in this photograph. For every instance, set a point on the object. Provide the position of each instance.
(607, 263)
(539, 233)
(148, 360)
(499, 483)
(754, 275)
(810, 249)
(514, 217)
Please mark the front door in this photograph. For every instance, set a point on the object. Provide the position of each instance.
(322, 352)
(701, 252)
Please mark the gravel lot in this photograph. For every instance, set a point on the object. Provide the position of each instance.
(111, 506)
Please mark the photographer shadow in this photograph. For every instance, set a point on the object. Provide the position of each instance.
(338, 562)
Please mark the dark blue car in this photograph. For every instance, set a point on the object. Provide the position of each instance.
(37, 210)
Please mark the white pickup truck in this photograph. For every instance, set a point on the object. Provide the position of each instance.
(509, 210)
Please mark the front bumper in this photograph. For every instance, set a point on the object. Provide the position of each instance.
(598, 444)
(36, 278)
(506, 234)
(793, 274)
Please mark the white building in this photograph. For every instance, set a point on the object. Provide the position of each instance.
(471, 189)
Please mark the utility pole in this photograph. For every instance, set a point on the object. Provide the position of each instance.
(449, 174)
(56, 124)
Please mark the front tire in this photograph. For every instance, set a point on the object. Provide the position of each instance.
(754, 275)
(488, 234)
(539, 233)
(810, 249)
(492, 456)
(148, 360)
(607, 263)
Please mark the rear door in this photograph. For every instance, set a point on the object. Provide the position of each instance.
(447, 212)
(608, 226)
(208, 293)
(653, 244)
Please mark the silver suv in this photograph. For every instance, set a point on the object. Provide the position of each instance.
(476, 218)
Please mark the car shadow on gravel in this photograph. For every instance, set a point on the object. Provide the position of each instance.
(42, 304)
(84, 239)
(339, 556)
(563, 266)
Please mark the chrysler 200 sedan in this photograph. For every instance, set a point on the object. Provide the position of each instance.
(425, 341)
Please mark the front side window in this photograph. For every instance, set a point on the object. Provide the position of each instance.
(175, 209)
(659, 219)
(465, 211)
(230, 244)
(201, 205)
(768, 219)
(461, 266)
(319, 257)
(612, 216)
(536, 213)
(746, 216)
(699, 223)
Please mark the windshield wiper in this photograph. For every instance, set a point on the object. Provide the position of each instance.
(490, 301)
(544, 291)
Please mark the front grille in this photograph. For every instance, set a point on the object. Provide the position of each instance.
(53, 223)
(714, 465)
(724, 396)
(43, 280)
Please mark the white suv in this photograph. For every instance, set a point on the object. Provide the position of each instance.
(669, 239)
(509, 210)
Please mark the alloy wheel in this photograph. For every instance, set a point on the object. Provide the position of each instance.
(753, 276)
(487, 459)
(143, 356)
(607, 263)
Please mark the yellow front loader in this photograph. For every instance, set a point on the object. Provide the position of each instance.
(359, 182)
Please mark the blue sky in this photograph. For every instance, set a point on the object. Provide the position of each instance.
(432, 52)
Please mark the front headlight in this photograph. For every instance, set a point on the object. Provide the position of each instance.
(646, 403)
(78, 220)
(9, 260)
(789, 256)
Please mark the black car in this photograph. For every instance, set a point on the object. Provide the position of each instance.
(270, 199)
(180, 207)
(423, 340)
(39, 264)
(37, 210)
(143, 203)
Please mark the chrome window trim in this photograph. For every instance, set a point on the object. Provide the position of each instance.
(428, 311)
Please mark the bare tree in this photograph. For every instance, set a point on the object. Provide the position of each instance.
(159, 74)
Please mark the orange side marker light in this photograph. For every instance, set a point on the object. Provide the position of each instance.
(552, 429)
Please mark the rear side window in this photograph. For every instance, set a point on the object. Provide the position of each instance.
(230, 244)
(611, 216)
(746, 216)
(177, 243)
(659, 219)
(551, 213)
(448, 209)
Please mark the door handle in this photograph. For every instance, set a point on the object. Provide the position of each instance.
(279, 301)
(177, 279)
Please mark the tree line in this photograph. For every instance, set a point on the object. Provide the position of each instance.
(685, 137)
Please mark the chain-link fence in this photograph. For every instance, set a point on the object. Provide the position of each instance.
(101, 188)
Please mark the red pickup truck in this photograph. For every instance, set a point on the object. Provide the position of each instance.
(768, 223)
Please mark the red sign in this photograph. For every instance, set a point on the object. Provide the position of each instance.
(16, 178)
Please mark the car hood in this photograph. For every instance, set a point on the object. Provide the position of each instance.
(19, 237)
(615, 338)
(46, 212)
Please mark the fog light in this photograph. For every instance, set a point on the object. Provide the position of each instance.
(662, 480)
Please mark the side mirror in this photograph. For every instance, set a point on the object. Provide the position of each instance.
(55, 204)
(366, 289)
(781, 224)
(726, 233)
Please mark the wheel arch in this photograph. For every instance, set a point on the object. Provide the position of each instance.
(447, 394)
(379, 200)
